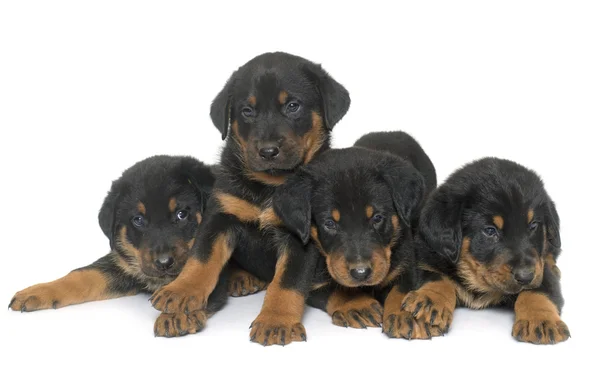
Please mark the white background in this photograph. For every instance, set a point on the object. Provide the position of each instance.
(88, 88)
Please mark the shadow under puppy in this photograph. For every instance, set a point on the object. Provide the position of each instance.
(151, 216)
(359, 206)
(276, 113)
(489, 236)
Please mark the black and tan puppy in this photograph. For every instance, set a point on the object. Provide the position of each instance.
(151, 216)
(490, 236)
(276, 113)
(359, 206)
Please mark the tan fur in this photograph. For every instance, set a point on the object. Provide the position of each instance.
(498, 221)
(252, 100)
(172, 204)
(268, 218)
(314, 139)
(282, 97)
(238, 207)
(190, 290)
(335, 214)
(77, 287)
(353, 308)
(529, 216)
(141, 208)
(537, 319)
(282, 310)
(369, 211)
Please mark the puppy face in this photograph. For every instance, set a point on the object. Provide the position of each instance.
(494, 219)
(152, 215)
(358, 205)
(279, 109)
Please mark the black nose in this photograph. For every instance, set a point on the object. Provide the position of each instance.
(360, 273)
(270, 152)
(524, 276)
(164, 261)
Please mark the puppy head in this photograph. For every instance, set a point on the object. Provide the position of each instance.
(357, 205)
(152, 212)
(278, 108)
(495, 221)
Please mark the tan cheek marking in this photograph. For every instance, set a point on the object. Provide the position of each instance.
(369, 211)
(282, 97)
(198, 217)
(190, 243)
(529, 216)
(498, 221)
(141, 208)
(335, 214)
(172, 204)
(315, 138)
(252, 100)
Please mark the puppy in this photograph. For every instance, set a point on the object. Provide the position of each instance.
(359, 206)
(489, 236)
(151, 216)
(276, 113)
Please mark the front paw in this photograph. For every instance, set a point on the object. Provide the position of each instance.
(274, 329)
(174, 299)
(36, 297)
(539, 331)
(402, 324)
(179, 324)
(359, 313)
(430, 307)
(242, 283)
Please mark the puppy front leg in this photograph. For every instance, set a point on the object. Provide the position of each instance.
(537, 312)
(99, 281)
(280, 319)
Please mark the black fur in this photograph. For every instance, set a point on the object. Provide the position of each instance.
(251, 116)
(458, 219)
(132, 265)
(373, 174)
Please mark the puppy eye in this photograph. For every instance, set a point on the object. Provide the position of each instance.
(490, 231)
(329, 224)
(182, 215)
(138, 221)
(377, 218)
(247, 111)
(293, 107)
(533, 226)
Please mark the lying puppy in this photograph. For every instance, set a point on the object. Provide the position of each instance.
(490, 236)
(276, 112)
(359, 206)
(151, 216)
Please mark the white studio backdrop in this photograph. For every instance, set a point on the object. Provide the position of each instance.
(88, 88)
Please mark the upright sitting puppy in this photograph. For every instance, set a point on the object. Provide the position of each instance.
(490, 236)
(359, 205)
(151, 216)
(276, 112)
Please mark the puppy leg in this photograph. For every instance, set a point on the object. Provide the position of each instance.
(243, 283)
(434, 302)
(352, 308)
(181, 323)
(99, 281)
(537, 312)
(279, 321)
(190, 290)
(398, 323)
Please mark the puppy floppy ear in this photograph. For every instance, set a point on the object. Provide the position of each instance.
(107, 217)
(200, 176)
(220, 108)
(407, 186)
(440, 223)
(552, 222)
(335, 99)
(292, 205)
